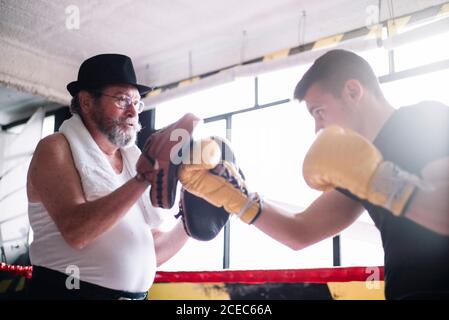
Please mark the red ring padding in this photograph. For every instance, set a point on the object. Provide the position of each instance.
(322, 275)
(26, 271)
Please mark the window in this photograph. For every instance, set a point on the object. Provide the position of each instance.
(361, 244)
(197, 255)
(225, 98)
(431, 86)
(251, 249)
(378, 60)
(279, 85)
(422, 52)
(15, 233)
(49, 126)
(271, 144)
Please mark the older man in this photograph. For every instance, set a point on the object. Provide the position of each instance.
(95, 234)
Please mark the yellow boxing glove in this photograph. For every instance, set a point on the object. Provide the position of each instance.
(342, 158)
(220, 182)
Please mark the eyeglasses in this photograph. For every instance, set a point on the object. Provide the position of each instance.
(124, 102)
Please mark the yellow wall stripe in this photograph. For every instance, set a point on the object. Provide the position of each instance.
(154, 92)
(395, 25)
(356, 290)
(375, 31)
(328, 42)
(352, 290)
(188, 81)
(188, 291)
(444, 9)
(276, 55)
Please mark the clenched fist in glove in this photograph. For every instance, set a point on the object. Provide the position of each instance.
(161, 158)
(342, 158)
(221, 183)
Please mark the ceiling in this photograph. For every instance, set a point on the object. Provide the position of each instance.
(42, 43)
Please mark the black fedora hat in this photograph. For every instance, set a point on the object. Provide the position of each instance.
(106, 69)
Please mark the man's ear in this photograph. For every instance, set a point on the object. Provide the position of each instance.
(353, 91)
(86, 101)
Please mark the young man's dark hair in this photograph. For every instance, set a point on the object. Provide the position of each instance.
(333, 69)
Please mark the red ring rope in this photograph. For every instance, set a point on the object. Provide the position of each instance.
(26, 271)
(322, 275)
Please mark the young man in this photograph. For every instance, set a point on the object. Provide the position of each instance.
(90, 217)
(392, 163)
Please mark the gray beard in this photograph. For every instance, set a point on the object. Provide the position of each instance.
(115, 134)
(120, 138)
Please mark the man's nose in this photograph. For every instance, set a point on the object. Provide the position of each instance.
(131, 110)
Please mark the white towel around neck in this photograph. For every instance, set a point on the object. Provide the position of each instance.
(98, 178)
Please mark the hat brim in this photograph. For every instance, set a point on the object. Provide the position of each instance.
(74, 87)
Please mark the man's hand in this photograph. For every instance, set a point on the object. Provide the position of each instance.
(161, 158)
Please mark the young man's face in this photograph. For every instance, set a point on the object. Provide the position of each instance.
(327, 109)
(119, 125)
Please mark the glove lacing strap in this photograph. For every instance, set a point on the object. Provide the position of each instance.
(253, 198)
(396, 184)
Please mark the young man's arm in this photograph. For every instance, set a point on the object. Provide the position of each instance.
(54, 181)
(431, 208)
(343, 158)
(328, 215)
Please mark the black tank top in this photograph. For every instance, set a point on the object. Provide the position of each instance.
(416, 259)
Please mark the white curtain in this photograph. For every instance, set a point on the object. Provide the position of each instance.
(16, 150)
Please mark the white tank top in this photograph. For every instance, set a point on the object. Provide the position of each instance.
(123, 258)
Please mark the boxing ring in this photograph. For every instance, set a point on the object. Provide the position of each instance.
(337, 283)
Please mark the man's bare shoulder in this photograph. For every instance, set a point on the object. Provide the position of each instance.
(54, 140)
(51, 154)
(53, 145)
(52, 151)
